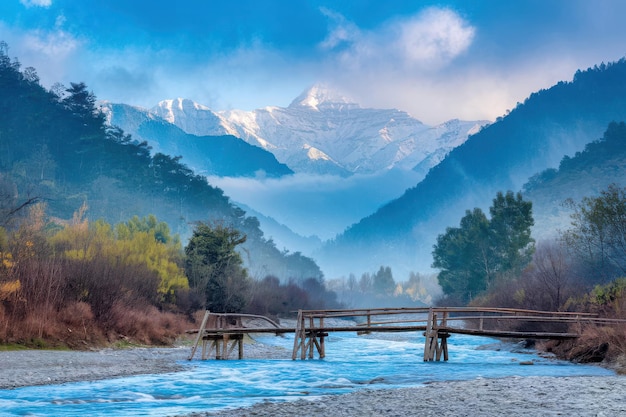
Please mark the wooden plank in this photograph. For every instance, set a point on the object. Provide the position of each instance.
(428, 334)
(296, 337)
(207, 313)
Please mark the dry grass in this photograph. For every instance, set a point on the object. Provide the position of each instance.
(597, 344)
(75, 326)
(147, 325)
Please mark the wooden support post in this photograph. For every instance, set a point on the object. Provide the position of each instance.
(429, 336)
(303, 337)
(225, 340)
(444, 338)
(207, 313)
(297, 338)
(322, 347)
(204, 347)
(312, 337)
(218, 345)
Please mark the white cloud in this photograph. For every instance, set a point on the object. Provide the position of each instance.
(342, 31)
(53, 53)
(435, 36)
(432, 38)
(36, 3)
(55, 45)
(433, 66)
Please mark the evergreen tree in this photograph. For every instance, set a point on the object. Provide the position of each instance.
(463, 256)
(213, 264)
(509, 229)
(471, 257)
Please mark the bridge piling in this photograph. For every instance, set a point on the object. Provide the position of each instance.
(436, 343)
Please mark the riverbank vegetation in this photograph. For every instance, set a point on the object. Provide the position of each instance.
(79, 284)
(582, 269)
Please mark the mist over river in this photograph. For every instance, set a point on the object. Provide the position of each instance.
(353, 363)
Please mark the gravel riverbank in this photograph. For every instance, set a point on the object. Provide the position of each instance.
(530, 396)
(40, 367)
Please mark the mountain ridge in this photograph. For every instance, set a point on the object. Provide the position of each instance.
(322, 132)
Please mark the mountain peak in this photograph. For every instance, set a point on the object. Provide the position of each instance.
(321, 96)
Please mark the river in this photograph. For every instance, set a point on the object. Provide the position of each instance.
(352, 363)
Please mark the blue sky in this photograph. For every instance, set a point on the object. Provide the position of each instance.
(471, 59)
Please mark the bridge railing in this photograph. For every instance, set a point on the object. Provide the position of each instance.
(438, 323)
(483, 318)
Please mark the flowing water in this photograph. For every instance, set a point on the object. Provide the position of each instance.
(352, 363)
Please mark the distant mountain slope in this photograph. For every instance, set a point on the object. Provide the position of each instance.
(322, 132)
(283, 237)
(502, 156)
(601, 163)
(224, 155)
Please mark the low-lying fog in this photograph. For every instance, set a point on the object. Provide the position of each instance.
(318, 205)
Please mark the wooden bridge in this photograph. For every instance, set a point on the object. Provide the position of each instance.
(223, 332)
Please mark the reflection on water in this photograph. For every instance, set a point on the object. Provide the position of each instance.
(352, 363)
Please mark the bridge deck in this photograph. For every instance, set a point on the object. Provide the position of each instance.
(400, 329)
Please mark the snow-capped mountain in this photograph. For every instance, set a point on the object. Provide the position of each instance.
(219, 155)
(323, 132)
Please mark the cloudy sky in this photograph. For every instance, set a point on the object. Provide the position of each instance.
(469, 59)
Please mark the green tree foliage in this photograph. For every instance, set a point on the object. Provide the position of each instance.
(471, 257)
(127, 244)
(214, 265)
(509, 231)
(598, 232)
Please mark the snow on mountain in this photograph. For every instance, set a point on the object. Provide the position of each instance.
(191, 117)
(323, 132)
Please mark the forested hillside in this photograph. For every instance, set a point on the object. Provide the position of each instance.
(56, 148)
(584, 174)
(531, 138)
